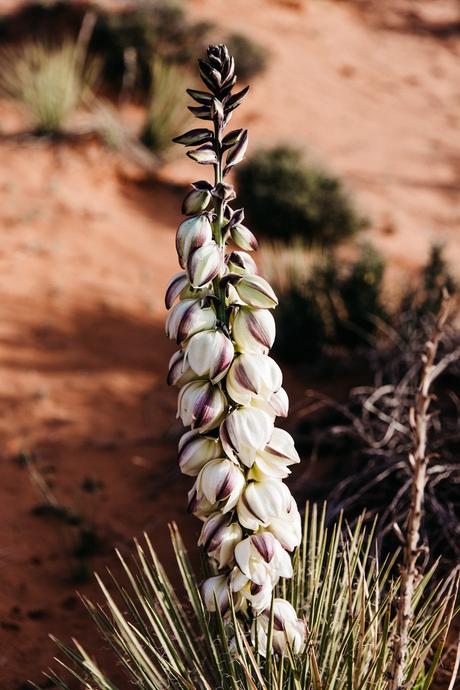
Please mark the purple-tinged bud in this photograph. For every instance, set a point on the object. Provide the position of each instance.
(243, 238)
(241, 263)
(189, 317)
(253, 330)
(237, 151)
(201, 405)
(194, 137)
(231, 138)
(205, 155)
(204, 264)
(196, 201)
(244, 432)
(201, 97)
(191, 234)
(179, 372)
(219, 485)
(254, 291)
(219, 536)
(235, 100)
(210, 353)
(261, 557)
(253, 376)
(196, 450)
(178, 284)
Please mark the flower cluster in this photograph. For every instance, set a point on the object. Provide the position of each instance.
(230, 389)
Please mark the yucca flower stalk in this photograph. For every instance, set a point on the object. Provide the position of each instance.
(230, 388)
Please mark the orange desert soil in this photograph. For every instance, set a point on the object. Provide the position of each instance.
(87, 246)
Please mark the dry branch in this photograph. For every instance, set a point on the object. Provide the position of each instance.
(420, 421)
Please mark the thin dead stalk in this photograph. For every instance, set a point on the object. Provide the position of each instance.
(420, 422)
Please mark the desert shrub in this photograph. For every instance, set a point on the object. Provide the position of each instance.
(326, 304)
(49, 83)
(251, 57)
(166, 114)
(285, 197)
(361, 293)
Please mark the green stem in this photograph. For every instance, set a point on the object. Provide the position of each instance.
(218, 223)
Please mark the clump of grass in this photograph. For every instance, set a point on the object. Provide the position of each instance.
(252, 58)
(48, 82)
(285, 196)
(147, 27)
(166, 114)
(345, 595)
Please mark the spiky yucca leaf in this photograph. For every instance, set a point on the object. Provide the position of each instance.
(48, 82)
(347, 598)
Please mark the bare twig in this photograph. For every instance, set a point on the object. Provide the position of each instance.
(420, 422)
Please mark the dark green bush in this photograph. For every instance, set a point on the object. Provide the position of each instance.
(328, 305)
(251, 58)
(361, 293)
(285, 197)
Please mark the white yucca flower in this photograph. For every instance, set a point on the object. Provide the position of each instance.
(230, 388)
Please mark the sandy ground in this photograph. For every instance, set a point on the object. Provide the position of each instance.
(86, 250)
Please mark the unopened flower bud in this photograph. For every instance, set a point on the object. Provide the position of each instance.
(288, 631)
(244, 432)
(191, 234)
(201, 405)
(204, 264)
(220, 482)
(180, 372)
(210, 353)
(187, 318)
(196, 450)
(243, 238)
(178, 286)
(219, 536)
(196, 201)
(252, 376)
(254, 291)
(241, 263)
(253, 330)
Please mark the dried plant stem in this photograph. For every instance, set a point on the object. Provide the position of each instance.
(420, 422)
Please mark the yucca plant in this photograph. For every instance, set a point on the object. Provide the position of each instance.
(275, 608)
(165, 110)
(347, 597)
(48, 82)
